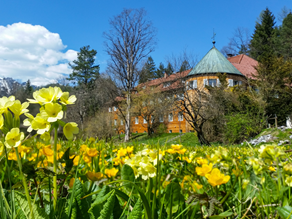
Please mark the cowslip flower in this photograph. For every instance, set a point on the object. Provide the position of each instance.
(66, 100)
(40, 124)
(13, 138)
(46, 95)
(288, 168)
(288, 181)
(6, 102)
(1, 121)
(18, 109)
(205, 169)
(53, 112)
(216, 178)
(70, 129)
(111, 172)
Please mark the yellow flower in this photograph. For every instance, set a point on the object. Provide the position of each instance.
(122, 152)
(5, 103)
(47, 151)
(18, 109)
(46, 95)
(83, 148)
(205, 169)
(13, 138)
(288, 181)
(117, 161)
(1, 121)
(76, 160)
(195, 186)
(91, 152)
(53, 112)
(91, 139)
(12, 156)
(33, 157)
(130, 149)
(40, 124)
(1, 148)
(71, 183)
(187, 159)
(87, 159)
(216, 178)
(66, 100)
(93, 176)
(45, 136)
(176, 146)
(70, 129)
(201, 161)
(288, 168)
(111, 172)
(245, 182)
(272, 168)
(237, 172)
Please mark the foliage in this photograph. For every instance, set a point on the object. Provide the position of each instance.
(148, 71)
(84, 70)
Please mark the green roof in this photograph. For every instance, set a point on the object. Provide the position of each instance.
(214, 62)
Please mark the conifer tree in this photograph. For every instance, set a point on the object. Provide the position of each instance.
(148, 71)
(261, 47)
(160, 71)
(284, 40)
(169, 69)
(184, 66)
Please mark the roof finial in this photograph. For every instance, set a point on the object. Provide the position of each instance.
(214, 34)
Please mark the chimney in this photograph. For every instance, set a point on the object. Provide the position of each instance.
(165, 75)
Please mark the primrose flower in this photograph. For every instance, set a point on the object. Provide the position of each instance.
(1, 121)
(46, 95)
(18, 109)
(45, 136)
(70, 129)
(13, 138)
(53, 112)
(288, 181)
(216, 178)
(288, 168)
(205, 169)
(40, 124)
(66, 100)
(5, 103)
(93, 176)
(111, 172)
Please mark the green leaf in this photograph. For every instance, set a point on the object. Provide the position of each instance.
(108, 207)
(173, 192)
(96, 206)
(117, 211)
(137, 210)
(127, 173)
(222, 215)
(285, 212)
(21, 205)
(69, 162)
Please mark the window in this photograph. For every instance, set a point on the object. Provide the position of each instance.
(195, 85)
(160, 118)
(190, 85)
(115, 108)
(136, 132)
(144, 121)
(205, 81)
(136, 120)
(230, 82)
(180, 116)
(122, 122)
(180, 131)
(115, 122)
(180, 96)
(170, 131)
(110, 109)
(237, 83)
(212, 82)
(170, 117)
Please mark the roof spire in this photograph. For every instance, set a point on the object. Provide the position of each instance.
(214, 34)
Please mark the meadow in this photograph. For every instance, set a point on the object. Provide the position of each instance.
(75, 178)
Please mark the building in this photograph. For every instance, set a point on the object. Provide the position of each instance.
(237, 69)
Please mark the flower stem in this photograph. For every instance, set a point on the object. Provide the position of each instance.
(55, 168)
(24, 182)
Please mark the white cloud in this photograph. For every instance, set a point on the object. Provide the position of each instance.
(33, 52)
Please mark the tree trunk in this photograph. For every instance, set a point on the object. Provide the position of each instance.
(202, 139)
(128, 118)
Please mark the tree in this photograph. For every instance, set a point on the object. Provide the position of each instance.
(148, 71)
(160, 71)
(28, 88)
(239, 43)
(130, 40)
(84, 70)
(169, 69)
(184, 66)
(284, 40)
(261, 44)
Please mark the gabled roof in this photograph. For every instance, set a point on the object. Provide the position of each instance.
(214, 62)
(245, 65)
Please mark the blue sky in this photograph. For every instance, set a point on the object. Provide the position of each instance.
(66, 25)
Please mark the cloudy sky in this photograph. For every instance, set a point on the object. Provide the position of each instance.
(39, 38)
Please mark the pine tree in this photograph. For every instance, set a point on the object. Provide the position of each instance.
(169, 69)
(28, 88)
(148, 71)
(284, 45)
(84, 70)
(261, 44)
(160, 71)
(184, 66)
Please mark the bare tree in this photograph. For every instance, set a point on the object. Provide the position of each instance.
(239, 43)
(283, 13)
(130, 40)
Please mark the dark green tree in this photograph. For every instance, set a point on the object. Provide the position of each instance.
(261, 44)
(169, 69)
(160, 71)
(284, 40)
(28, 88)
(148, 71)
(184, 66)
(85, 72)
